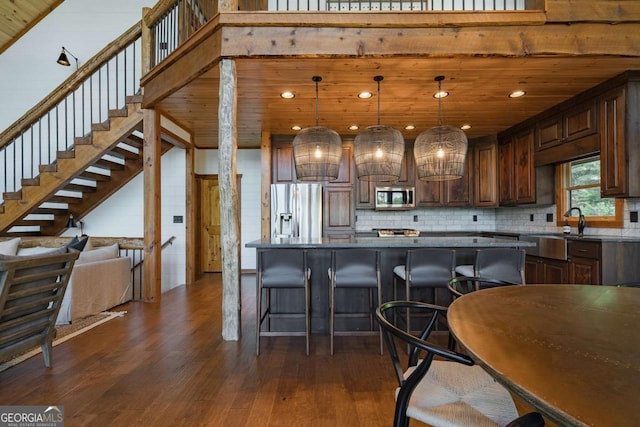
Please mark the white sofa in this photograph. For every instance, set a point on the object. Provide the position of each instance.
(100, 280)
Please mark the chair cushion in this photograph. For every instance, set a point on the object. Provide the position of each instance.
(453, 394)
(399, 270)
(465, 270)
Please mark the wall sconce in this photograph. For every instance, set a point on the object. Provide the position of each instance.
(63, 60)
(72, 223)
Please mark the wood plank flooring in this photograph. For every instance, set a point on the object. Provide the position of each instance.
(166, 364)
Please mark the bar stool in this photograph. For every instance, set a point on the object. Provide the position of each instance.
(354, 269)
(282, 269)
(505, 264)
(426, 268)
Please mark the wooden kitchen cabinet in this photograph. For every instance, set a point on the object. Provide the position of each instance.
(520, 182)
(584, 260)
(283, 170)
(573, 124)
(545, 270)
(517, 173)
(339, 203)
(485, 173)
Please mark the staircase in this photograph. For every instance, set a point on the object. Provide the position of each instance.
(80, 178)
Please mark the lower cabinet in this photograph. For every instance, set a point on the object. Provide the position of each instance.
(584, 262)
(545, 270)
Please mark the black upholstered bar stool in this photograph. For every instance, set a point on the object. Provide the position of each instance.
(282, 269)
(425, 268)
(354, 269)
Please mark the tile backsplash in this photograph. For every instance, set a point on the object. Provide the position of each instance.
(515, 219)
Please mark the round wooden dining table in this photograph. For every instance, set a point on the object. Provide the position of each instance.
(570, 351)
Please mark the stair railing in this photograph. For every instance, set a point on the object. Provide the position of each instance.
(137, 257)
(101, 84)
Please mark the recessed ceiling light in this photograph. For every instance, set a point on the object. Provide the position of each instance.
(287, 95)
(441, 94)
(295, 127)
(365, 95)
(354, 127)
(465, 126)
(517, 94)
(409, 127)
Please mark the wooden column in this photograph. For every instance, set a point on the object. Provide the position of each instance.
(265, 186)
(152, 285)
(228, 5)
(146, 44)
(191, 230)
(229, 206)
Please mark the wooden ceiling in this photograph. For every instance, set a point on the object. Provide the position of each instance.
(478, 87)
(19, 16)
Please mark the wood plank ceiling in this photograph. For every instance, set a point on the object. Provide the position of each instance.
(19, 16)
(478, 87)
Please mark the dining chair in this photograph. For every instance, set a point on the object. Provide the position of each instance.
(458, 286)
(442, 387)
(354, 269)
(496, 263)
(282, 269)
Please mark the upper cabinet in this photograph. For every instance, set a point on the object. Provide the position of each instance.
(485, 173)
(283, 170)
(573, 124)
(520, 182)
(619, 140)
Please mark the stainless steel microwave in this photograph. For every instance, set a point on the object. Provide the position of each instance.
(395, 198)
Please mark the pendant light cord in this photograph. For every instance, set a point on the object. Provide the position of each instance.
(316, 79)
(379, 102)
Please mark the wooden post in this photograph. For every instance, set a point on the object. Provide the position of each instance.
(229, 206)
(146, 44)
(191, 219)
(265, 186)
(152, 285)
(228, 5)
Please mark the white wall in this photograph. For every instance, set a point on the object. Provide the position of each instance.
(248, 165)
(28, 68)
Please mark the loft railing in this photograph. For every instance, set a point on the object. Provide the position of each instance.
(171, 22)
(103, 83)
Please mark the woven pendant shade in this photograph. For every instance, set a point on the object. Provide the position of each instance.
(378, 150)
(440, 152)
(317, 151)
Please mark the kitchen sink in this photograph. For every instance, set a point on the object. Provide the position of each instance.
(547, 245)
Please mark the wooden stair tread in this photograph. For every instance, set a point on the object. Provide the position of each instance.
(80, 188)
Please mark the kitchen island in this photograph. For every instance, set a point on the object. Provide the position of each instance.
(392, 252)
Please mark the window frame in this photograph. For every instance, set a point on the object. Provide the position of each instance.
(562, 204)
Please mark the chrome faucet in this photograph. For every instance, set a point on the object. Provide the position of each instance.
(581, 221)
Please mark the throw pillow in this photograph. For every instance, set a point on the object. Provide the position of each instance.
(99, 254)
(78, 243)
(10, 247)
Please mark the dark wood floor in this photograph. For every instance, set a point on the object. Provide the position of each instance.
(166, 365)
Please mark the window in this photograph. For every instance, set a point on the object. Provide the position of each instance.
(579, 187)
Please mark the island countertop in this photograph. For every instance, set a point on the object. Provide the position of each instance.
(388, 242)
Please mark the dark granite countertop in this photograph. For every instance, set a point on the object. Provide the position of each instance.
(388, 242)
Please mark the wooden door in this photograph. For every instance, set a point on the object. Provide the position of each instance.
(485, 174)
(210, 238)
(613, 153)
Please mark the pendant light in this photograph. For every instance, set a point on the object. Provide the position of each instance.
(440, 152)
(378, 150)
(317, 151)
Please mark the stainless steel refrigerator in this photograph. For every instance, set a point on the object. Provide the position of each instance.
(296, 210)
